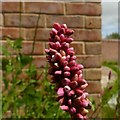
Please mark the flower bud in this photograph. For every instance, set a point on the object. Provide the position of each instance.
(57, 38)
(78, 92)
(57, 56)
(66, 74)
(54, 31)
(69, 32)
(70, 102)
(65, 81)
(64, 26)
(61, 31)
(60, 92)
(72, 63)
(72, 110)
(67, 88)
(62, 38)
(73, 84)
(57, 26)
(58, 72)
(66, 68)
(71, 93)
(52, 51)
(64, 107)
(62, 52)
(69, 40)
(73, 58)
(78, 115)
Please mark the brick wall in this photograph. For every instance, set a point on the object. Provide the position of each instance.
(83, 17)
(110, 46)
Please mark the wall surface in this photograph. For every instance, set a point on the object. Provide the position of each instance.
(110, 50)
(83, 17)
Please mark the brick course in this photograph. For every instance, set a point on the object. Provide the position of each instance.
(83, 17)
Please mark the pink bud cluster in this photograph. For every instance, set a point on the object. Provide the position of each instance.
(66, 73)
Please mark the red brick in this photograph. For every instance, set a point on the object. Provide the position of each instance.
(97, 99)
(42, 34)
(71, 21)
(27, 20)
(93, 48)
(83, 8)
(94, 87)
(38, 48)
(92, 74)
(1, 20)
(93, 22)
(40, 61)
(96, 1)
(13, 33)
(78, 47)
(27, 47)
(11, 7)
(44, 7)
(87, 35)
(89, 61)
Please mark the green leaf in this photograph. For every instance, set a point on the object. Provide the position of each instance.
(25, 60)
(18, 43)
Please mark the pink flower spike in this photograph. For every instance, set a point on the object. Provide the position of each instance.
(60, 92)
(64, 107)
(66, 74)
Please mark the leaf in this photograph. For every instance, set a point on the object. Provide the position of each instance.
(18, 43)
(25, 60)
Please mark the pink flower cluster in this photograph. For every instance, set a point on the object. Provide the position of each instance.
(66, 73)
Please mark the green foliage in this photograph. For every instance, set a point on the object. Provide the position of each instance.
(109, 93)
(113, 36)
(31, 96)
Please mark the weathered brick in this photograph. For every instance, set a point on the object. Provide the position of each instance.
(87, 35)
(83, 8)
(94, 87)
(93, 22)
(39, 61)
(96, 1)
(93, 48)
(96, 99)
(1, 20)
(78, 47)
(92, 74)
(27, 20)
(12, 32)
(11, 7)
(42, 34)
(44, 7)
(71, 21)
(27, 47)
(90, 61)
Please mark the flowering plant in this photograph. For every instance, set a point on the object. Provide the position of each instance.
(66, 73)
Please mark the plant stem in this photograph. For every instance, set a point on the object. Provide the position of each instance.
(34, 39)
